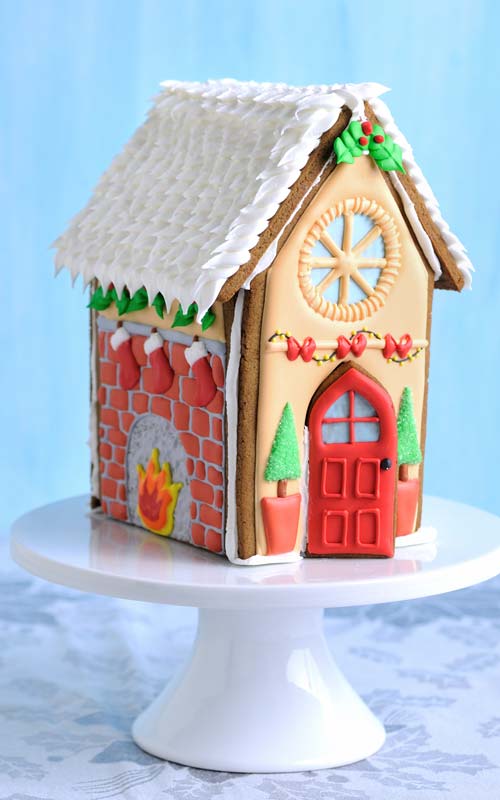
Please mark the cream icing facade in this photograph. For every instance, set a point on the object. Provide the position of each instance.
(406, 310)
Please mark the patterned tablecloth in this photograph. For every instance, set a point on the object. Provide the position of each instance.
(75, 669)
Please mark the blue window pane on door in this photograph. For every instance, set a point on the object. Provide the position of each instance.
(336, 432)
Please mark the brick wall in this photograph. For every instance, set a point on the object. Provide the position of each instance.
(201, 430)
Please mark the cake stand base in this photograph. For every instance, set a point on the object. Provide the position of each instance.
(260, 693)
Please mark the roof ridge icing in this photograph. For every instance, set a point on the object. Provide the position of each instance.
(181, 207)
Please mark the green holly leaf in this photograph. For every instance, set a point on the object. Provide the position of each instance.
(159, 304)
(342, 153)
(100, 301)
(123, 302)
(387, 154)
(181, 319)
(139, 301)
(351, 141)
(207, 320)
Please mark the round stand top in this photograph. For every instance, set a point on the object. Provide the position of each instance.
(67, 544)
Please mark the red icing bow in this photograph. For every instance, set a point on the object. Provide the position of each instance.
(356, 345)
(402, 348)
(305, 350)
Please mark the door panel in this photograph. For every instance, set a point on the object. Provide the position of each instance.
(334, 477)
(352, 436)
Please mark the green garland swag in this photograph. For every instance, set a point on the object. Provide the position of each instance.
(126, 303)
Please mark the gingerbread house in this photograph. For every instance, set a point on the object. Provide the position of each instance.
(262, 260)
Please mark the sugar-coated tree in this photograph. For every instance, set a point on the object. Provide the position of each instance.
(408, 447)
(283, 463)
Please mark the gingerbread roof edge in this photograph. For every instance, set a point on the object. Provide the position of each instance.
(181, 208)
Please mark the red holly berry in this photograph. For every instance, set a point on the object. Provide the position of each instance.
(363, 141)
(367, 127)
(379, 139)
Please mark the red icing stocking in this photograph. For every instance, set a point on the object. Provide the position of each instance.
(130, 372)
(197, 358)
(163, 374)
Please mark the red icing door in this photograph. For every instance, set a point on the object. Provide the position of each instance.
(352, 469)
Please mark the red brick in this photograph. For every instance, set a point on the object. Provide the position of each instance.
(217, 429)
(102, 344)
(101, 395)
(200, 470)
(127, 420)
(122, 492)
(213, 541)
(104, 506)
(194, 510)
(178, 360)
(191, 444)
(213, 452)
(108, 487)
(102, 467)
(118, 399)
(117, 437)
(210, 516)
(217, 404)
(218, 499)
(119, 454)
(101, 432)
(215, 477)
(202, 491)
(201, 422)
(116, 471)
(190, 466)
(189, 389)
(118, 510)
(198, 534)
(105, 450)
(217, 371)
(161, 406)
(109, 417)
(140, 402)
(138, 350)
(174, 391)
(181, 416)
(108, 373)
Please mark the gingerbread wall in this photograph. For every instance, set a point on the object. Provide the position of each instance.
(200, 430)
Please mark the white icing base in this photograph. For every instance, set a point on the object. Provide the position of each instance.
(424, 535)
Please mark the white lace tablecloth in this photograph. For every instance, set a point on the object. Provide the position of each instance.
(75, 669)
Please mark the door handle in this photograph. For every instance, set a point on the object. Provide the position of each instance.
(385, 464)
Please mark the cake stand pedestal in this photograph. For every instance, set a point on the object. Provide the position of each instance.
(260, 691)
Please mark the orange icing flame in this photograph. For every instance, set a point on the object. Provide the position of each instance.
(157, 495)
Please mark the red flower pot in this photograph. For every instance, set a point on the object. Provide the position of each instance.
(408, 492)
(281, 520)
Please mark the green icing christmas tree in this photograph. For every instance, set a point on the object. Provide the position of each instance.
(283, 463)
(408, 448)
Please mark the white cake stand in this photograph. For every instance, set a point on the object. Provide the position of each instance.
(260, 692)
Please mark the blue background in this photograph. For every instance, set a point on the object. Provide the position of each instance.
(77, 78)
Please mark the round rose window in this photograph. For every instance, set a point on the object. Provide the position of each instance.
(350, 260)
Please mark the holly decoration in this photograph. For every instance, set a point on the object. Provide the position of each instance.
(283, 463)
(408, 448)
(363, 137)
(182, 319)
(127, 303)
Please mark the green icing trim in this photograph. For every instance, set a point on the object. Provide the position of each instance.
(182, 319)
(408, 448)
(387, 154)
(284, 459)
(126, 304)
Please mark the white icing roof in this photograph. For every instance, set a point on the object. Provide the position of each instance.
(180, 208)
